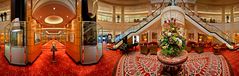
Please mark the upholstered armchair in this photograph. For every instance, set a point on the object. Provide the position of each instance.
(199, 49)
(189, 46)
(153, 48)
(208, 44)
(223, 47)
(144, 49)
(216, 49)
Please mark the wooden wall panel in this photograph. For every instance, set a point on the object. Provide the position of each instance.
(73, 49)
(33, 51)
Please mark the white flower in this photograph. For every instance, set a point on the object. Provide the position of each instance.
(169, 34)
(173, 28)
(179, 42)
(164, 47)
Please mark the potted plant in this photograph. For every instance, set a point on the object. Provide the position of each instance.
(172, 53)
(172, 43)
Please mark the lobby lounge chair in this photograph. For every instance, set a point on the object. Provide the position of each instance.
(144, 49)
(153, 48)
(199, 49)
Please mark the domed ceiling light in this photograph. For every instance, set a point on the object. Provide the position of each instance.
(53, 19)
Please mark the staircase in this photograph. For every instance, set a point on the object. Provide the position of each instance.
(147, 22)
(208, 29)
(189, 15)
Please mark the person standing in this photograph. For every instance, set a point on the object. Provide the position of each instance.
(5, 16)
(1, 17)
(53, 49)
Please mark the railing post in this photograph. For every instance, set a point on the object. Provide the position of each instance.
(125, 40)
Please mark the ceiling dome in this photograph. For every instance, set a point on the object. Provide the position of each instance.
(53, 19)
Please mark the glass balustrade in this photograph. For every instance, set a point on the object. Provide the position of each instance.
(92, 42)
(210, 28)
(188, 12)
(15, 43)
(137, 27)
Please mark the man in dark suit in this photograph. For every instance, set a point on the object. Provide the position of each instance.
(53, 49)
(5, 16)
(1, 17)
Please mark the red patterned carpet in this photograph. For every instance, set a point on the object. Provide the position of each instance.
(233, 59)
(63, 67)
(205, 64)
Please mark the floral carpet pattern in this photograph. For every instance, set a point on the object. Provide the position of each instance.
(204, 64)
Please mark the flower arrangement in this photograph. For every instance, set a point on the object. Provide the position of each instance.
(171, 42)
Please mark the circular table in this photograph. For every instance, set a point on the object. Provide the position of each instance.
(173, 65)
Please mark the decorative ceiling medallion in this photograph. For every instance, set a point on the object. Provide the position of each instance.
(53, 19)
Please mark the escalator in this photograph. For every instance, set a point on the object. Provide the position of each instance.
(189, 16)
(208, 28)
(147, 22)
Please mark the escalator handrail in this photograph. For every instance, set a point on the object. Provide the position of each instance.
(209, 30)
(202, 21)
(207, 24)
(159, 8)
(199, 17)
(211, 26)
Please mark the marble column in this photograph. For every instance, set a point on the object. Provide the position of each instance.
(18, 9)
(149, 9)
(196, 9)
(113, 15)
(223, 14)
(122, 14)
(149, 36)
(113, 35)
(232, 14)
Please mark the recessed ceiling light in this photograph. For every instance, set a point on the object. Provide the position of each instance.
(54, 8)
(67, 16)
(53, 19)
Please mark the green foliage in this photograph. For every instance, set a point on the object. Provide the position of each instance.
(172, 43)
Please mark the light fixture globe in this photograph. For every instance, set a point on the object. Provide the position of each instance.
(53, 19)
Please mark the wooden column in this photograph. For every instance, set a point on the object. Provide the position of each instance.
(223, 14)
(122, 14)
(232, 14)
(113, 15)
(74, 48)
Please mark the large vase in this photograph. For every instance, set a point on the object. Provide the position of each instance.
(172, 66)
